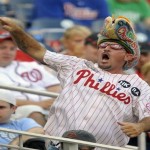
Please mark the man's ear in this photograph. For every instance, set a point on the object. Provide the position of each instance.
(14, 109)
(129, 57)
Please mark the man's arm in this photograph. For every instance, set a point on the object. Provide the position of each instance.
(135, 129)
(54, 88)
(45, 104)
(37, 130)
(23, 40)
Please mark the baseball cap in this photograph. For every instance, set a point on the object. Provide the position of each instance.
(92, 39)
(120, 30)
(7, 96)
(5, 35)
(80, 135)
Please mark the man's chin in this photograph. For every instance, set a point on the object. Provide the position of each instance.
(105, 67)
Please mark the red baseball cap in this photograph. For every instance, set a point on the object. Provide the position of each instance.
(5, 35)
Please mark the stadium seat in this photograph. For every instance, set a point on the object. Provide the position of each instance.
(96, 25)
(40, 23)
(22, 9)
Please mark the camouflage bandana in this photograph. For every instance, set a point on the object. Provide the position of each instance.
(120, 30)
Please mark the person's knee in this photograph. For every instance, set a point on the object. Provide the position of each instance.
(38, 117)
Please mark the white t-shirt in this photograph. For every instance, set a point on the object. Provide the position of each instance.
(95, 100)
(29, 75)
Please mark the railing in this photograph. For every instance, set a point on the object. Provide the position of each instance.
(141, 138)
(69, 144)
(22, 89)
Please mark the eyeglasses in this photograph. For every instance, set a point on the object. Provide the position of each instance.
(114, 46)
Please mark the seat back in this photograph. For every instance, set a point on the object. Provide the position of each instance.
(23, 10)
(97, 24)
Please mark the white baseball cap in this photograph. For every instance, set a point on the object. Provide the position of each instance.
(7, 96)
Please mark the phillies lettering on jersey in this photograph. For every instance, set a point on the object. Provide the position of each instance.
(108, 88)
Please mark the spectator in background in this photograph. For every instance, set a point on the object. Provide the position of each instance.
(81, 12)
(73, 40)
(90, 52)
(7, 108)
(135, 10)
(29, 75)
(21, 56)
(144, 58)
(80, 135)
(146, 72)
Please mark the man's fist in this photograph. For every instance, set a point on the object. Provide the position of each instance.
(131, 129)
(9, 24)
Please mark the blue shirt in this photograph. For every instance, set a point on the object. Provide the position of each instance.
(82, 12)
(21, 124)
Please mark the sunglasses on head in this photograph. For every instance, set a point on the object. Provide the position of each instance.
(114, 46)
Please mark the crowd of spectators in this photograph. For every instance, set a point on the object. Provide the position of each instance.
(29, 75)
(76, 12)
(75, 18)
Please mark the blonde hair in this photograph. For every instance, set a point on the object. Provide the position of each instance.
(145, 69)
(76, 30)
(70, 34)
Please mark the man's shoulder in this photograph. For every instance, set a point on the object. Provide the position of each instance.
(25, 123)
(138, 81)
(25, 120)
(18, 121)
(22, 124)
(135, 77)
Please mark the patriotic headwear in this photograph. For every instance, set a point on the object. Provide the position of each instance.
(120, 30)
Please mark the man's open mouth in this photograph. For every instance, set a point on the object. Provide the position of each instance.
(105, 56)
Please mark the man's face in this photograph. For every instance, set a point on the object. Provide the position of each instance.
(6, 111)
(75, 45)
(7, 52)
(112, 57)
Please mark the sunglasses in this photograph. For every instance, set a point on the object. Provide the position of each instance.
(114, 46)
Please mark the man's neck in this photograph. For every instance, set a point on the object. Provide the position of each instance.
(116, 71)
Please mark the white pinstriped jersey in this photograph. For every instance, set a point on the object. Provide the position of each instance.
(28, 75)
(95, 100)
